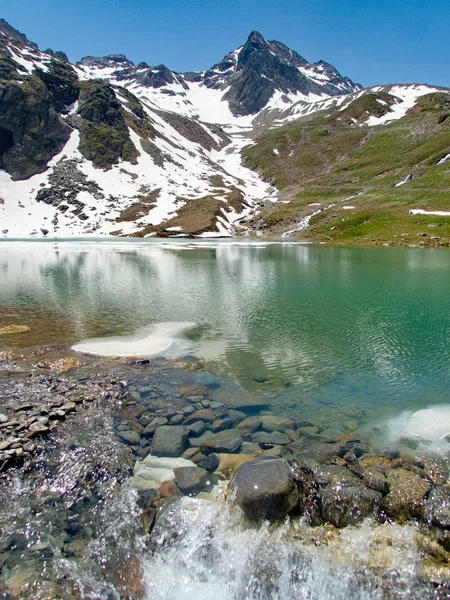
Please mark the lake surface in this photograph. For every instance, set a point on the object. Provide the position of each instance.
(333, 334)
(341, 340)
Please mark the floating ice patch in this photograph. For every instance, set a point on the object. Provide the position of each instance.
(430, 423)
(159, 339)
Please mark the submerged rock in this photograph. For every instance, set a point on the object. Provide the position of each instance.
(170, 440)
(264, 489)
(224, 441)
(272, 423)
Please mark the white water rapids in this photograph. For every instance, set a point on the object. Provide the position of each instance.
(204, 551)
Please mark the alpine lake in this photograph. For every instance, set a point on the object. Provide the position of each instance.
(332, 363)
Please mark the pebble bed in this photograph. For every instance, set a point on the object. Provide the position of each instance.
(178, 438)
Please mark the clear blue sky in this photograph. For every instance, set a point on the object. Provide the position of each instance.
(370, 41)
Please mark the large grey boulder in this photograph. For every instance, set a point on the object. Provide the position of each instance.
(170, 440)
(264, 489)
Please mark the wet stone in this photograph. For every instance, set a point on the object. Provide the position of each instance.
(331, 435)
(224, 441)
(405, 498)
(191, 479)
(38, 429)
(272, 423)
(176, 419)
(57, 415)
(249, 425)
(190, 452)
(153, 425)
(129, 437)
(169, 489)
(264, 489)
(437, 507)
(275, 438)
(170, 440)
(206, 415)
(197, 428)
(344, 505)
(210, 463)
(221, 424)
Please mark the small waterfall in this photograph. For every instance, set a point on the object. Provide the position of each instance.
(304, 223)
(204, 550)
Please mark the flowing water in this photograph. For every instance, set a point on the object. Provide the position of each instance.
(344, 338)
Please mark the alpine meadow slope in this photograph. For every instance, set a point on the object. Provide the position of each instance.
(262, 143)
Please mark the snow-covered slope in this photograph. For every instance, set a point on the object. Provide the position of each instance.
(110, 147)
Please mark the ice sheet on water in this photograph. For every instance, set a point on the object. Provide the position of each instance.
(145, 342)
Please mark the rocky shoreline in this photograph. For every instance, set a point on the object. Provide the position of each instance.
(207, 443)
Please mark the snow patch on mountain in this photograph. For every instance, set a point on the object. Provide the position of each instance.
(407, 95)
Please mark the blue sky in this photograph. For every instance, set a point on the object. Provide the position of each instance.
(370, 41)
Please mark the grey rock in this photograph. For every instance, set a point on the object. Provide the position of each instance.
(57, 415)
(210, 463)
(437, 507)
(129, 437)
(331, 435)
(224, 441)
(153, 425)
(272, 423)
(176, 419)
(191, 479)
(221, 425)
(37, 429)
(264, 489)
(236, 416)
(343, 498)
(275, 437)
(344, 505)
(197, 428)
(170, 440)
(249, 425)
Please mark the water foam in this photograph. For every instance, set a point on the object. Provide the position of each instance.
(205, 550)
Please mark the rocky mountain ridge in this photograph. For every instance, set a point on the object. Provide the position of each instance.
(109, 147)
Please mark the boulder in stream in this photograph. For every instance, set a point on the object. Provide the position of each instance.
(170, 440)
(264, 489)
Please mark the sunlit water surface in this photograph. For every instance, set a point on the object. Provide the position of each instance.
(331, 333)
(341, 337)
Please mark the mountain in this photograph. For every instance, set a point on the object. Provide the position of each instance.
(109, 147)
(375, 170)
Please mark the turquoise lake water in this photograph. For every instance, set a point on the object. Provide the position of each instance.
(333, 335)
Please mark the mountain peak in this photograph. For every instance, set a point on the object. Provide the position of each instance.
(255, 36)
(8, 30)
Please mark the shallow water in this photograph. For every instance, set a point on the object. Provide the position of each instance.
(70, 526)
(338, 334)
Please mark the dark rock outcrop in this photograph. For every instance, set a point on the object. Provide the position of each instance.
(31, 132)
(104, 137)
